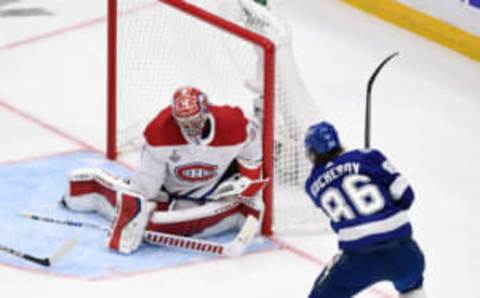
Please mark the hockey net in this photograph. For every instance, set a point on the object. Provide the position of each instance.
(246, 54)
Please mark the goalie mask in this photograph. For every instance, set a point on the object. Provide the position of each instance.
(190, 110)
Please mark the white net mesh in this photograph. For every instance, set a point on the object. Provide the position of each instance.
(160, 48)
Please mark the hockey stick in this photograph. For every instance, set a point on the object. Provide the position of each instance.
(369, 97)
(65, 222)
(47, 262)
(233, 248)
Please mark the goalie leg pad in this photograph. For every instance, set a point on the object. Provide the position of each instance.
(210, 219)
(128, 227)
(196, 220)
(93, 190)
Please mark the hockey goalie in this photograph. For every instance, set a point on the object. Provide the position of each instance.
(199, 175)
(200, 171)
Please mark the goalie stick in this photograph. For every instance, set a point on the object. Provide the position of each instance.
(233, 248)
(369, 97)
(47, 262)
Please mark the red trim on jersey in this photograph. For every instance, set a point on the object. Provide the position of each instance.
(230, 128)
(164, 131)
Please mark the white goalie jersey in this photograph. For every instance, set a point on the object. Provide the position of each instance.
(186, 170)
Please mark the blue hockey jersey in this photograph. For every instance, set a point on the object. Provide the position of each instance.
(364, 196)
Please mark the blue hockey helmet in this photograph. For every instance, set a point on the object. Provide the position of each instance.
(321, 138)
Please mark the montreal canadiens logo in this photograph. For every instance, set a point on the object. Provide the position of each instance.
(196, 172)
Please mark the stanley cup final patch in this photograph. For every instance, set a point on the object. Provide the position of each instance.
(174, 156)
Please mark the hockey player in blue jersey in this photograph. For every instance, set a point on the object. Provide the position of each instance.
(367, 200)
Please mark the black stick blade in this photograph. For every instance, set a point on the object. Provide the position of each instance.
(47, 262)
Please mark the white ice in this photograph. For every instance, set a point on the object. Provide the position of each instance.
(425, 115)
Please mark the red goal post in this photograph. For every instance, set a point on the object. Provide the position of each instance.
(230, 28)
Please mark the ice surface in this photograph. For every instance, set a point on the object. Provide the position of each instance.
(425, 118)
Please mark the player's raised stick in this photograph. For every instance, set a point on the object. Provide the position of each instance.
(47, 262)
(369, 97)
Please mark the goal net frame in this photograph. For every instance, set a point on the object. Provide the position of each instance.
(269, 55)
